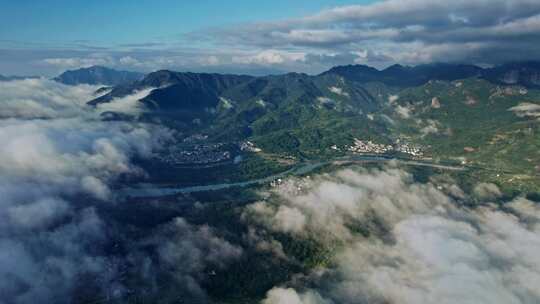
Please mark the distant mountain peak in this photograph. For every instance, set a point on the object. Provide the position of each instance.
(526, 73)
(396, 66)
(523, 73)
(170, 85)
(98, 75)
(357, 67)
(402, 76)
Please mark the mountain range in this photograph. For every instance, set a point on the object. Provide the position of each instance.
(523, 73)
(267, 103)
(455, 112)
(180, 85)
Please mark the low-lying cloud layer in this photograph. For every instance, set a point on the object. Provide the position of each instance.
(404, 242)
(58, 162)
(185, 256)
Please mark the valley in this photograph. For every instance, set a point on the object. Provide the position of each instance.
(456, 114)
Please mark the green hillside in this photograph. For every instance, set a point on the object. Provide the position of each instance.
(476, 123)
(454, 114)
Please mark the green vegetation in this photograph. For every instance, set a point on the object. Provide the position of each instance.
(295, 118)
(470, 122)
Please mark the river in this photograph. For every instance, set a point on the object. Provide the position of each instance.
(151, 190)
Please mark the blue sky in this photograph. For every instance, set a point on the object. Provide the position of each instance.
(261, 37)
(127, 21)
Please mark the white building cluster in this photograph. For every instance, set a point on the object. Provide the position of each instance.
(360, 146)
(249, 146)
(409, 149)
(368, 146)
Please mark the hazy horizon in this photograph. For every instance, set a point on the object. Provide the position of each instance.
(258, 39)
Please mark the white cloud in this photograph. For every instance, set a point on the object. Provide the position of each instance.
(419, 245)
(269, 57)
(128, 104)
(130, 61)
(95, 186)
(406, 31)
(77, 62)
(38, 214)
(41, 98)
(57, 156)
(290, 296)
(393, 98)
(378, 34)
(526, 109)
(339, 91)
(403, 112)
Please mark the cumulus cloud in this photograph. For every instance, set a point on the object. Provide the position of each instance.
(378, 34)
(404, 242)
(410, 31)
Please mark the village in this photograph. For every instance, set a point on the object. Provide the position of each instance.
(197, 154)
(369, 147)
